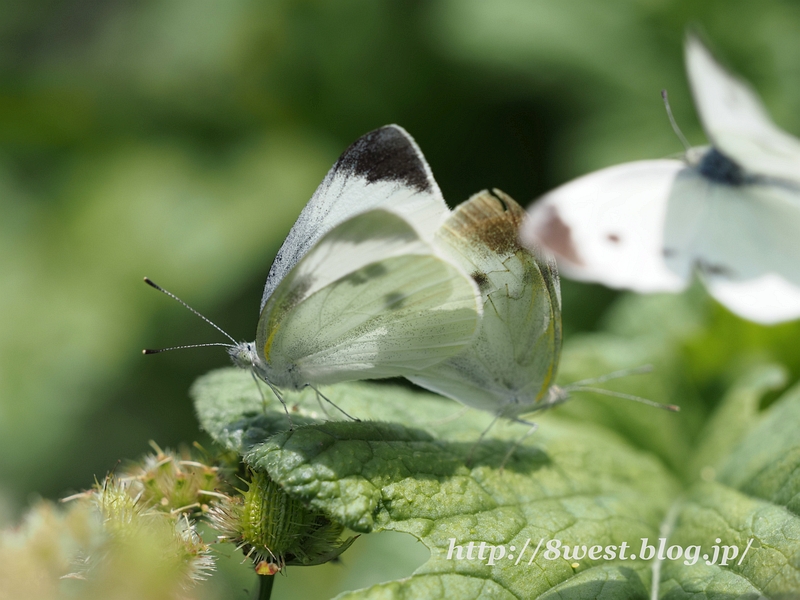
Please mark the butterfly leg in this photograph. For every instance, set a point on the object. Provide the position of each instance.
(321, 405)
(277, 395)
(532, 427)
(444, 420)
(479, 440)
(324, 397)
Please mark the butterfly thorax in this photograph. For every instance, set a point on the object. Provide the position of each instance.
(717, 167)
(508, 368)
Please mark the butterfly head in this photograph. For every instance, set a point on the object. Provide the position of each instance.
(244, 355)
(554, 396)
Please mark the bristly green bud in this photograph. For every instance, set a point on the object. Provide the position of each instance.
(276, 530)
(104, 543)
(126, 514)
(173, 482)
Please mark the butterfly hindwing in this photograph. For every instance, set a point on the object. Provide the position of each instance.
(371, 299)
(742, 240)
(733, 232)
(766, 299)
(512, 361)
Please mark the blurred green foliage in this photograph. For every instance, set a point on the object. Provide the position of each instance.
(180, 140)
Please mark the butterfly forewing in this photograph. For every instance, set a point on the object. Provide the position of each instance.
(370, 300)
(383, 168)
(608, 226)
(735, 119)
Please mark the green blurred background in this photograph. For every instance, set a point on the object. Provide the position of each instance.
(180, 139)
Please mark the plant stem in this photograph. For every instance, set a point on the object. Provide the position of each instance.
(265, 583)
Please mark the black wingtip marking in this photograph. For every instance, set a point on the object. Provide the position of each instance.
(387, 154)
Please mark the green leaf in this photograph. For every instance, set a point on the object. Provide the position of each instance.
(767, 461)
(715, 516)
(573, 481)
(413, 465)
(734, 417)
(233, 411)
(752, 506)
(664, 434)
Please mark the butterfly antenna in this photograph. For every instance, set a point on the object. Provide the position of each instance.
(674, 123)
(152, 284)
(609, 376)
(669, 407)
(159, 350)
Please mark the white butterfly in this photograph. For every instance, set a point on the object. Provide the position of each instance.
(510, 366)
(730, 211)
(357, 290)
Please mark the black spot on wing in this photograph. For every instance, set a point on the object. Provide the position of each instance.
(296, 294)
(386, 154)
(613, 237)
(364, 274)
(374, 270)
(529, 275)
(669, 252)
(481, 279)
(356, 278)
(394, 300)
(714, 269)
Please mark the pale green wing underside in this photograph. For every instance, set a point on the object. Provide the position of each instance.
(370, 300)
(512, 361)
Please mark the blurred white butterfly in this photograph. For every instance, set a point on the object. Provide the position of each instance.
(511, 365)
(357, 290)
(731, 211)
